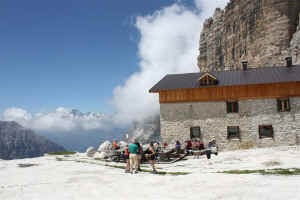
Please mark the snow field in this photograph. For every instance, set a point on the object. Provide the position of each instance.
(64, 180)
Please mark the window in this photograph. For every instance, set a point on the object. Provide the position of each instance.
(195, 132)
(266, 131)
(233, 132)
(283, 105)
(232, 107)
(207, 79)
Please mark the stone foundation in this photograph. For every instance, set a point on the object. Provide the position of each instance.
(211, 117)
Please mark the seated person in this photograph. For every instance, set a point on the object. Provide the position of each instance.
(188, 146)
(195, 144)
(201, 145)
(177, 147)
(115, 145)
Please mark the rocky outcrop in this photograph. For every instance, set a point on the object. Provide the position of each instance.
(295, 45)
(146, 131)
(18, 142)
(257, 31)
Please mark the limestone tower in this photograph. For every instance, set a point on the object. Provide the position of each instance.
(257, 31)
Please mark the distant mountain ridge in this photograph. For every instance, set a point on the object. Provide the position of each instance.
(17, 142)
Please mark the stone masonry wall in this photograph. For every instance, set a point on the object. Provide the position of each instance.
(211, 117)
(257, 31)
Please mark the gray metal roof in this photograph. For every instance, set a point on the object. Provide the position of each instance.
(231, 78)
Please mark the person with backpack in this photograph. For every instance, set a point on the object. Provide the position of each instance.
(151, 157)
(133, 159)
(139, 155)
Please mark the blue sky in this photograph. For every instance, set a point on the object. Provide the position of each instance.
(69, 53)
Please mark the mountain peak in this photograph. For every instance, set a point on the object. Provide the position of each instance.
(19, 142)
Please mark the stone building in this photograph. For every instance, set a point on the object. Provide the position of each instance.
(255, 107)
(257, 31)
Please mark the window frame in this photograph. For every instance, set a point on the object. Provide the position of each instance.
(191, 132)
(237, 136)
(207, 81)
(260, 127)
(283, 105)
(232, 106)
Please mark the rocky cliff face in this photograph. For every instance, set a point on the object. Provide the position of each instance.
(18, 142)
(295, 45)
(257, 31)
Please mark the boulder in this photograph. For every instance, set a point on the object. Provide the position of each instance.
(90, 151)
(100, 155)
(105, 147)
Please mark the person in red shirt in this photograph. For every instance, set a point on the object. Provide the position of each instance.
(127, 170)
(188, 146)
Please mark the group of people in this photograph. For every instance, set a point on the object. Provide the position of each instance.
(194, 144)
(134, 154)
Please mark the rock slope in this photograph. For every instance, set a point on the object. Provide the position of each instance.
(17, 142)
(295, 45)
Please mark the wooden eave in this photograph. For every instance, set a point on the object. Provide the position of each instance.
(226, 93)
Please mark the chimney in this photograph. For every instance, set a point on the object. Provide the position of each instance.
(289, 61)
(245, 65)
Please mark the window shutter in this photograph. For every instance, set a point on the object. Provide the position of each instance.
(278, 105)
(260, 132)
(228, 133)
(236, 106)
(228, 107)
(288, 105)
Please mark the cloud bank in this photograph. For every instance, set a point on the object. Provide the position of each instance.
(61, 120)
(168, 44)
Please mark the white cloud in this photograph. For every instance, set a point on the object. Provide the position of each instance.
(207, 7)
(17, 114)
(169, 44)
(61, 120)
